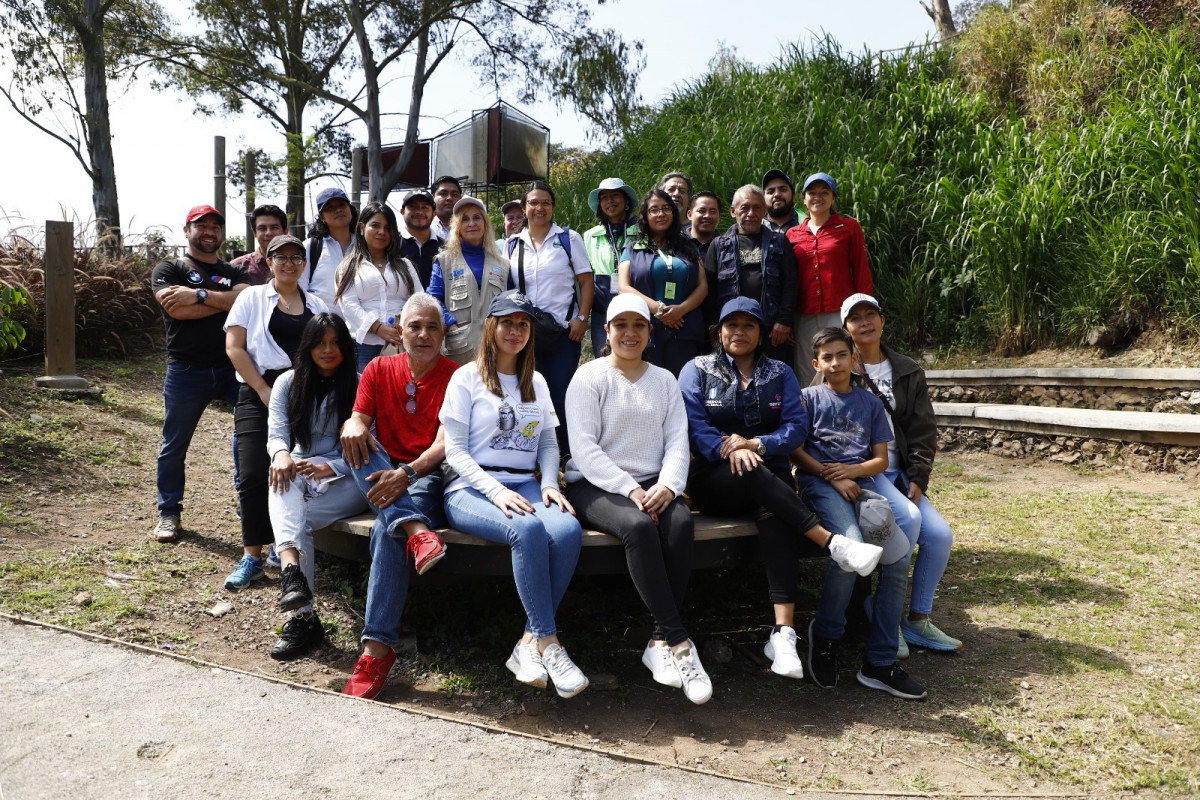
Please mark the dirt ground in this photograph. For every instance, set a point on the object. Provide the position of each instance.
(77, 495)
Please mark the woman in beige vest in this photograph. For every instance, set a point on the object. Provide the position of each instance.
(468, 273)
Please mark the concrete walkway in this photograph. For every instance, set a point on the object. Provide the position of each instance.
(82, 719)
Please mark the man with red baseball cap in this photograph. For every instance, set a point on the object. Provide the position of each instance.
(196, 293)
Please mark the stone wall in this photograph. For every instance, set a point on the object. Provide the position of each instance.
(1115, 398)
(1094, 453)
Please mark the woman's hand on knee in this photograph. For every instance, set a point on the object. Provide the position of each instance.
(282, 472)
(656, 499)
(553, 495)
(508, 501)
(743, 461)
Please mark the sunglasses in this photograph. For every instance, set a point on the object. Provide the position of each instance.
(411, 390)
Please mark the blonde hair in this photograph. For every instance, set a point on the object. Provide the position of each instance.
(485, 361)
(453, 246)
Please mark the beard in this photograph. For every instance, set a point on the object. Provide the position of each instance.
(784, 210)
(206, 246)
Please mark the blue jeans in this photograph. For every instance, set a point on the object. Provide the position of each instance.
(294, 515)
(387, 586)
(545, 547)
(187, 391)
(604, 286)
(365, 354)
(932, 537)
(558, 368)
(838, 516)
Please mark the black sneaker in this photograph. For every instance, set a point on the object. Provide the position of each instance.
(822, 659)
(299, 634)
(293, 589)
(891, 679)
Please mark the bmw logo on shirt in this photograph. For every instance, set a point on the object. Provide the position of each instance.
(195, 277)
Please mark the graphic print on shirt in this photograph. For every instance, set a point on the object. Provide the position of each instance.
(517, 427)
(846, 435)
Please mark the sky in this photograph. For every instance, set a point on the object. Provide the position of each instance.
(164, 152)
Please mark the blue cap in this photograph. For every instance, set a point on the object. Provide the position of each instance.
(327, 194)
(511, 302)
(744, 304)
(823, 177)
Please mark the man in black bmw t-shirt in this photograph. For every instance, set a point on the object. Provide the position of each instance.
(196, 293)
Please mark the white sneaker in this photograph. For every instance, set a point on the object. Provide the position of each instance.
(568, 679)
(167, 529)
(526, 664)
(854, 556)
(781, 649)
(696, 684)
(658, 659)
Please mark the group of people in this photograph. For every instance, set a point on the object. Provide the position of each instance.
(430, 373)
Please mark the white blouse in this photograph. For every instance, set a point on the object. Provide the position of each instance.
(375, 296)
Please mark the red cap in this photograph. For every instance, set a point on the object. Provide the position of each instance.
(203, 211)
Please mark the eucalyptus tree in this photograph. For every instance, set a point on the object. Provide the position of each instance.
(62, 55)
(278, 59)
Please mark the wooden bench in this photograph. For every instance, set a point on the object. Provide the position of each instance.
(719, 542)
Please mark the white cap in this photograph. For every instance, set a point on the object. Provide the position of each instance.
(627, 301)
(467, 200)
(850, 302)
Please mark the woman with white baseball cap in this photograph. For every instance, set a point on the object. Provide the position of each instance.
(626, 476)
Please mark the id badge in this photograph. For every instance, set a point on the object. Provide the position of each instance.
(669, 290)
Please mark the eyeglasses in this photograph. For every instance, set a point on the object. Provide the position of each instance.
(281, 258)
(411, 391)
(655, 211)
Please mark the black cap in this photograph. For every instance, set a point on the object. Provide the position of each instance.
(772, 174)
(511, 302)
(419, 194)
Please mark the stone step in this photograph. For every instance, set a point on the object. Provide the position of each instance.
(1124, 426)
(1134, 378)
(1172, 391)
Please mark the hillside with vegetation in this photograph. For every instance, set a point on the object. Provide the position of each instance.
(1035, 181)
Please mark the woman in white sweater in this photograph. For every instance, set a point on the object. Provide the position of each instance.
(626, 475)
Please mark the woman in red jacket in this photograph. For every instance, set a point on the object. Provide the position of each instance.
(831, 259)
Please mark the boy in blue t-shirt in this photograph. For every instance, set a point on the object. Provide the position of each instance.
(846, 446)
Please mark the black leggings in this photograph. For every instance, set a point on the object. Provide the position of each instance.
(781, 515)
(659, 556)
(250, 424)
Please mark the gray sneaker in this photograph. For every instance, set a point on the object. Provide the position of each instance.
(568, 679)
(167, 529)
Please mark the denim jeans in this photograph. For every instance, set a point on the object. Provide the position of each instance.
(295, 514)
(933, 539)
(365, 353)
(558, 368)
(545, 547)
(187, 391)
(387, 586)
(830, 623)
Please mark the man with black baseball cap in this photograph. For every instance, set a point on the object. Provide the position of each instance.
(418, 243)
(196, 293)
(781, 201)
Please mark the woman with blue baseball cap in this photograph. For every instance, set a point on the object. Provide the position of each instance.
(613, 202)
(831, 259)
(330, 238)
(744, 420)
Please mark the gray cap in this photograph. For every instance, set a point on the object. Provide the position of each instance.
(879, 527)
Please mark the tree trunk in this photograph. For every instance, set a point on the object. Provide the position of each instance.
(98, 130)
(939, 12)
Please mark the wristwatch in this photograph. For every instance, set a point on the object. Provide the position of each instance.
(581, 317)
(761, 450)
(409, 471)
(201, 296)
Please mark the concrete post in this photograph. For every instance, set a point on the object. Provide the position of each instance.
(251, 198)
(356, 157)
(60, 309)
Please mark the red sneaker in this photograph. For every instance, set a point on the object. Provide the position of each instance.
(369, 675)
(425, 548)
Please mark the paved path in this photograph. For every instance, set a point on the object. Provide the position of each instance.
(81, 719)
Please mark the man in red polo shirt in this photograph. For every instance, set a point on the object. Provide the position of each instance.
(399, 471)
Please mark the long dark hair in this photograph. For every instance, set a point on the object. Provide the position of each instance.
(677, 242)
(321, 230)
(361, 252)
(306, 381)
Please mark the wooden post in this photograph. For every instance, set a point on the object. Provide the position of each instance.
(219, 184)
(356, 157)
(251, 199)
(60, 309)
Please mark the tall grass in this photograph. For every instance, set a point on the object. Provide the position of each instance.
(1010, 230)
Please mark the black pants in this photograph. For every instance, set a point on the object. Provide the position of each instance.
(250, 424)
(659, 556)
(781, 515)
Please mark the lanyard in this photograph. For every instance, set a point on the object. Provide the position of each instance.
(670, 260)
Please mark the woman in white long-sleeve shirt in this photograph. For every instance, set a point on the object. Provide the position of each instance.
(373, 281)
(628, 469)
(500, 423)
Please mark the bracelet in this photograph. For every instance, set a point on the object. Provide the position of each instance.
(409, 471)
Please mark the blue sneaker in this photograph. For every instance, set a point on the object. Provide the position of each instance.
(272, 561)
(248, 569)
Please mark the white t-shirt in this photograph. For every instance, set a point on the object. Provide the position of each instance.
(503, 431)
(881, 374)
(318, 278)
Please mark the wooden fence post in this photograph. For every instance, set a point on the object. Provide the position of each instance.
(251, 199)
(60, 309)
